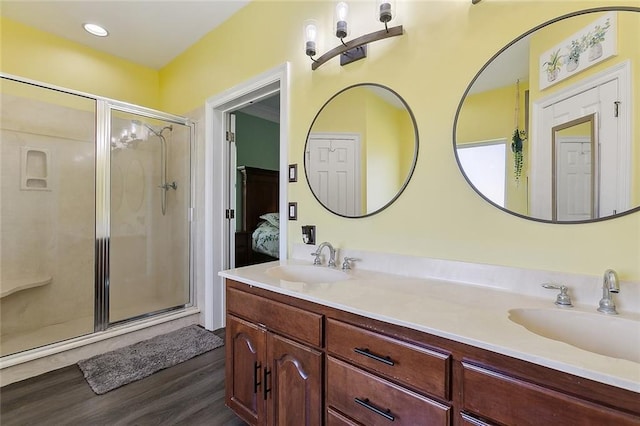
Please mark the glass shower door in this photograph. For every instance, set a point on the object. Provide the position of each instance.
(149, 221)
(47, 216)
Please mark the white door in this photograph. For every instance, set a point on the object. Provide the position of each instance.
(600, 100)
(574, 180)
(333, 167)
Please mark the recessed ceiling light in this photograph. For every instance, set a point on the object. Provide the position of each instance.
(96, 30)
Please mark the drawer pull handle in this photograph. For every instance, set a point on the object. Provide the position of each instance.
(256, 376)
(384, 413)
(385, 360)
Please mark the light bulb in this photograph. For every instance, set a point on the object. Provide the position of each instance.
(310, 34)
(342, 10)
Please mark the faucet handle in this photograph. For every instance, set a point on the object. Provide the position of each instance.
(316, 260)
(563, 298)
(346, 263)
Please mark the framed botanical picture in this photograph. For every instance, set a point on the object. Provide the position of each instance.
(585, 48)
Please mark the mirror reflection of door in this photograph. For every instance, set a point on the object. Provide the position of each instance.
(612, 189)
(333, 169)
(385, 156)
(575, 170)
(486, 112)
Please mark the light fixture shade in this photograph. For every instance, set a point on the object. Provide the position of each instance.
(310, 29)
(385, 10)
(342, 12)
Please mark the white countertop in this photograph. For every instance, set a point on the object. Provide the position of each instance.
(470, 314)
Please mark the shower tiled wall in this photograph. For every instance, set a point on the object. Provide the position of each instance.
(47, 235)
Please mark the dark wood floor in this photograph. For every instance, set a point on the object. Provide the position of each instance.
(190, 393)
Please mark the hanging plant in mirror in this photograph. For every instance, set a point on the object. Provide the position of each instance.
(517, 140)
(542, 164)
(517, 143)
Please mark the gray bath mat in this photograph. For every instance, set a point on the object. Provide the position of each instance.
(113, 369)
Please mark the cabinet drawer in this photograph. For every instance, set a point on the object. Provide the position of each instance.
(336, 419)
(294, 322)
(467, 420)
(508, 400)
(371, 400)
(420, 368)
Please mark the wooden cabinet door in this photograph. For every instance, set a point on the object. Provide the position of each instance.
(295, 380)
(245, 351)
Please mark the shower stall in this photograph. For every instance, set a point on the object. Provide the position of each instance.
(95, 214)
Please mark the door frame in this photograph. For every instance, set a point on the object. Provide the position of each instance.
(621, 72)
(217, 181)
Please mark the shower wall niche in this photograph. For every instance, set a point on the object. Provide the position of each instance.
(85, 240)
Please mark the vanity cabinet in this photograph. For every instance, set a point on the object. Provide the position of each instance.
(505, 399)
(369, 399)
(375, 379)
(294, 362)
(272, 379)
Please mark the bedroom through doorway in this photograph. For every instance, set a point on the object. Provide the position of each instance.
(254, 170)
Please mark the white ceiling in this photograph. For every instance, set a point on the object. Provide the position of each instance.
(147, 32)
(511, 65)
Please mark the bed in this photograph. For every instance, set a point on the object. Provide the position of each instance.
(258, 240)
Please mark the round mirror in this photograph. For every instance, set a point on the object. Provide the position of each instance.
(547, 131)
(361, 150)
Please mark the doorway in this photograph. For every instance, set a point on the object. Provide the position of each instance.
(606, 94)
(254, 182)
(220, 176)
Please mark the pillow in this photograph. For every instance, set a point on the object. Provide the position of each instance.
(272, 218)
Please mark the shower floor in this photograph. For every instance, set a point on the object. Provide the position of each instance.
(14, 343)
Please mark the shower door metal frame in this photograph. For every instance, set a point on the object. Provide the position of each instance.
(103, 206)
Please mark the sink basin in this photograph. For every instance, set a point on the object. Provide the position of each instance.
(307, 274)
(605, 335)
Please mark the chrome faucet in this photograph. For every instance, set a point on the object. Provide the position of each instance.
(563, 299)
(332, 255)
(610, 285)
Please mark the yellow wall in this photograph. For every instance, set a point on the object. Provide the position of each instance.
(491, 115)
(445, 44)
(384, 148)
(335, 119)
(30, 53)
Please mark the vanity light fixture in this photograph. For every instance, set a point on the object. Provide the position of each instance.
(355, 49)
(95, 29)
